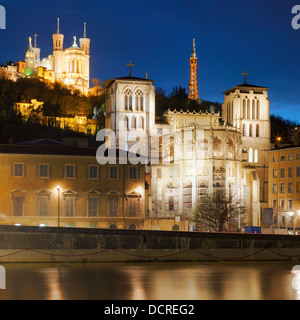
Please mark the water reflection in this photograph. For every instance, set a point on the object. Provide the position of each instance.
(153, 281)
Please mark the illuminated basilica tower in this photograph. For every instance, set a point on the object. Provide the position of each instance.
(193, 88)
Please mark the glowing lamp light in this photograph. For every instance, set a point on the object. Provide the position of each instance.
(58, 187)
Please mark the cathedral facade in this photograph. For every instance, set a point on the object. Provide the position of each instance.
(198, 152)
(69, 66)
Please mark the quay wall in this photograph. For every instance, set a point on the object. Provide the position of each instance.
(49, 244)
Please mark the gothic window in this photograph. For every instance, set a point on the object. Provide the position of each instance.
(172, 197)
(139, 100)
(248, 109)
(253, 109)
(255, 155)
(257, 130)
(202, 190)
(257, 110)
(133, 123)
(250, 131)
(128, 100)
(244, 130)
(244, 109)
(250, 155)
(126, 123)
(141, 123)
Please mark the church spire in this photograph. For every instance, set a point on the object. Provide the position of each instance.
(84, 30)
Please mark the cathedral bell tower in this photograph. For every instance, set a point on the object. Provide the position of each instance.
(58, 43)
(85, 46)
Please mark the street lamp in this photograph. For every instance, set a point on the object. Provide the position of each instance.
(58, 204)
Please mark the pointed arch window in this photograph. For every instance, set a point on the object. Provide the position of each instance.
(128, 100)
(250, 130)
(244, 109)
(141, 123)
(248, 109)
(139, 100)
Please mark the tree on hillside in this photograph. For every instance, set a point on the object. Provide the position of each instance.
(214, 212)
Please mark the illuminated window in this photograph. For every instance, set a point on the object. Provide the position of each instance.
(275, 173)
(250, 155)
(139, 101)
(217, 148)
(128, 100)
(43, 206)
(255, 155)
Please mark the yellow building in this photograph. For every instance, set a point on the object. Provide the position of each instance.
(284, 187)
(55, 184)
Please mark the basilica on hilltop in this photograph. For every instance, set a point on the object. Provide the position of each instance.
(70, 66)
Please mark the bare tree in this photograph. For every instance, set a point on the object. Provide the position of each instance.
(214, 212)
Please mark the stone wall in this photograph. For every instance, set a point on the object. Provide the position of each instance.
(41, 244)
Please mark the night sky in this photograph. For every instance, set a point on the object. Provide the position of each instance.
(157, 36)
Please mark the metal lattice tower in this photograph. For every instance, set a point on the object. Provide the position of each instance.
(193, 87)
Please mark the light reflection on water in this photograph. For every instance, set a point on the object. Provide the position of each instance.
(151, 281)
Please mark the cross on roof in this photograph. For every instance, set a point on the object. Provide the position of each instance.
(245, 74)
(130, 65)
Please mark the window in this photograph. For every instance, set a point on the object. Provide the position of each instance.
(133, 173)
(19, 170)
(250, 131)
(298, 171)
(297, 156)
(133, 123)
(257, 130)
(274, 158)
(128, 100)
(92, 207)
(290, 204)
(257, 109)
(126, 123)
(70, 171)
(282, 172)
(282, 158)
(281, 187)
(93, 172)
(275, 188)
(274, 173)
(171, 203)
(290, 187)
(113, 206)
(290, 172)
(250, 155)
(132, 227)
(132, 207)
(113, 172)
(282, 204)
(298, 186)
(43, 206)
(139, 100)
(290, 156)
(187, 198)
(69, 206)
(255, 155)
(44, 171)
(275, 204)
(141, 123)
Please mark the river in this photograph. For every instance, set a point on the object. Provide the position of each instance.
(150, 281)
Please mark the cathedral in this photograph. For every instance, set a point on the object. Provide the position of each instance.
(69, 66)
(198, 152)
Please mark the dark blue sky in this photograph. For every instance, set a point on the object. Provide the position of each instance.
(157, 36)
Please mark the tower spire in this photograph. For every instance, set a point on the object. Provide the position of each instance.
(58, 31)
(193, 87)
(35, 35)
(84, 30)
